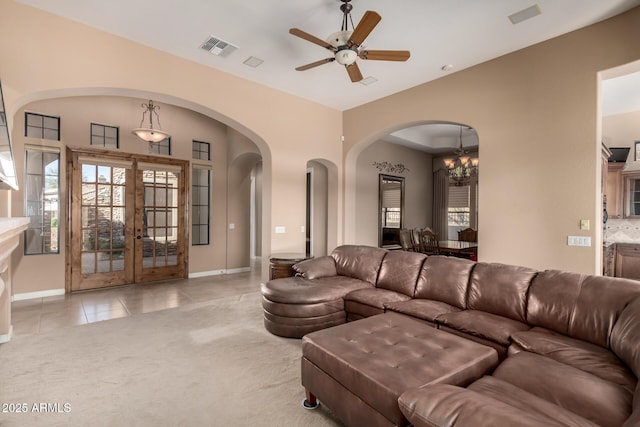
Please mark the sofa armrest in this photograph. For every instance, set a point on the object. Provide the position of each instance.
(447, 405)
(316, 268)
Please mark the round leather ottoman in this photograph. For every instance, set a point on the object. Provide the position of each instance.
(294, 306)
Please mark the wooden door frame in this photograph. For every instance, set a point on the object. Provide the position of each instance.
(70, 194)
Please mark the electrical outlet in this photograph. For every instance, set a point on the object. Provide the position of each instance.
(579, 241)
(584, 224)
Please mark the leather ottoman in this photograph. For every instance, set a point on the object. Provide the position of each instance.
(360, 369)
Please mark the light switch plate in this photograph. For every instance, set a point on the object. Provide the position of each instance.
(579, 241)
(280, 229)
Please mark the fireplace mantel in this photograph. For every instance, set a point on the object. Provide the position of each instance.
(10, 229)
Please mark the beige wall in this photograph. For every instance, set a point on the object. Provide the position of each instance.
(418, 192)
(76, 114)
(541, 101)
(621, 130)
(72, 64)
(319, 206)
(536, 114)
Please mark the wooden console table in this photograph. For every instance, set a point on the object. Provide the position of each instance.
(281, 264)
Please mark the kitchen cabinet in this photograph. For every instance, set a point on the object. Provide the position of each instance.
(627, 257)
(631, 195)
(614, 190)
(609, 260)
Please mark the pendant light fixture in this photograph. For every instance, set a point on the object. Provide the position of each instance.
(150, 134)
(462, 167)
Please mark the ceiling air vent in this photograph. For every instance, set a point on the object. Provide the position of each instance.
(218, 46)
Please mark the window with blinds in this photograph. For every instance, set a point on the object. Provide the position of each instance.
(391, 203)
(459, 208)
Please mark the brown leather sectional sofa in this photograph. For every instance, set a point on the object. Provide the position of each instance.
(568, 344)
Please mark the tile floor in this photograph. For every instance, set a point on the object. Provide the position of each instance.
(40, 315)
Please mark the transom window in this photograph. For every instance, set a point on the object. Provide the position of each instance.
(201, 150)
(105, 136)
(162, 147)
(41, 126)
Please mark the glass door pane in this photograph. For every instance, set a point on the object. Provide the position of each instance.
(160, 238)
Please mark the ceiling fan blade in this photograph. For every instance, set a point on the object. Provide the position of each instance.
(365, 26)
(385, 55)
(354, 72)
(315, 64)
(313, 39)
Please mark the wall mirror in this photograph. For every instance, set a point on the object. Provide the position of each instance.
(8, 179)
(391, 210)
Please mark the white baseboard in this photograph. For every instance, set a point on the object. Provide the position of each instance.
(39, 294)
(218, 272)
(206, 273)
(7, 337)
(239, 270)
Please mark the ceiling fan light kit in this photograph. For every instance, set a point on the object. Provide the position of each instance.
(347, 45)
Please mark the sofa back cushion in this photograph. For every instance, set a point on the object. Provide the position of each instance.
(445, 279)
(399, 271)
(315, 268)
(578, 305)
(500, 289)
(358, 262)
(625, 338)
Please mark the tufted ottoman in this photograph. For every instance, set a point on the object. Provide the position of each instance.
(359, 369)
(295, 306)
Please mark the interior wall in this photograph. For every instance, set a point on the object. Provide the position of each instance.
(320, 193)
(418, 193)
(35, 273)
(537, 112)
(621, 130)
(71, 65)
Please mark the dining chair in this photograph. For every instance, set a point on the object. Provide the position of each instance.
(416, 239)
(406, 240)
(468, 235)
(430, 245)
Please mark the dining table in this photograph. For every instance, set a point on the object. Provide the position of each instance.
(455, 247)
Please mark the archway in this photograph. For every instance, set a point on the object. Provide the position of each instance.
(413, 151)
(260, 145)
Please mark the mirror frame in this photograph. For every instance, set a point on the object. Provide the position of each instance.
(381, 179)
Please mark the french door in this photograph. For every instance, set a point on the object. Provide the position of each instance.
(127, 220)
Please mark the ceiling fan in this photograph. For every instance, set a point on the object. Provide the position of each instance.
(346, 45)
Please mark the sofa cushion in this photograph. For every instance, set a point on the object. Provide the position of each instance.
(359, 262)
(483, 325)
(500, 289)
(587, 395)
(625, 337)
(447, 405)
(581, 306)
(580, 354)
(371, 301)
(399, 271)
(424, 309)
(526, 402)
(444, 279)
(298, 290)
(316, 267)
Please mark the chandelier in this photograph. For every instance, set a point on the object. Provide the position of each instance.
(461, 168)
(150, 134)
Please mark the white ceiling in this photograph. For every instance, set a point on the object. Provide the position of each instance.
(437, 32)
(462, 33)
